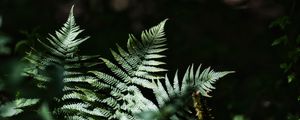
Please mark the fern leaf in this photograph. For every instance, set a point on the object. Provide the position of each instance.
(92, 95)
(170, 89)
(64, 43)
(15, 107)
(137, 66)
(140, 60)
(61, 49)
(200, 82)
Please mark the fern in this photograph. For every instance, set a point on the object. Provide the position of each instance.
(137, 67)
(142, 57)
(200, 82)
(89, 94)
(15, 107)
(61, 50)
(140, 63)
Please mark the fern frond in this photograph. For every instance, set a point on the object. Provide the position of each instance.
(140, 64)
(168, 110)
(83, 108)
(200, 82)
(136, 67)
(64, 43)
(93, 95)
(61, 49)
(13, 108)
(203, 81)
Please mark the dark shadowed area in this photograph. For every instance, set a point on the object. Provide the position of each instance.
(224, 34)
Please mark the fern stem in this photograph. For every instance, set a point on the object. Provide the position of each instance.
(197, 105)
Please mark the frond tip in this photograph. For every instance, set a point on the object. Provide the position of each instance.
(201, 82)
(141, 62)
(64, 43)
(205, 79)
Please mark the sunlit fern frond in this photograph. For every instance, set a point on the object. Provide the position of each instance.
(141, 63)
(136, 68)
(199, 82)
(61, 50)
(88, 94)
(65, 42)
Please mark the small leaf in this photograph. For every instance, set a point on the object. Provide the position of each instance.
(44, 112)
(291, 77)
(282, 39)
(15, 107)
(281, 22)
(239, 117)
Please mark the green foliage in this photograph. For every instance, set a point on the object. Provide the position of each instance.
(290, 48)
(28, 43)
(15, 107)
(282, 22)
(239, 117)
(82, 92)
(293, 117)
(170, 108)
(62, 51)
(282, 39)
(138, 67)
(200, 82)
(44, 112)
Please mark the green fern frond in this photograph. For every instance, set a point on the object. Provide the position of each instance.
(13, 108)
(136, 67)
(169, 110)
(92, 95)
(200, 82)
(61, 49)
(140, 64)
(203, 81)
(64, 43)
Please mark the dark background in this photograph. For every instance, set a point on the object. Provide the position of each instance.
(224, 34)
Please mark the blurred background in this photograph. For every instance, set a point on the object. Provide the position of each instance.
(259, 39)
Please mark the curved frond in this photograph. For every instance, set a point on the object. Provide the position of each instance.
(200, 82)
(61, 49)
(141, 63)
(137, 66)
(64, 43)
